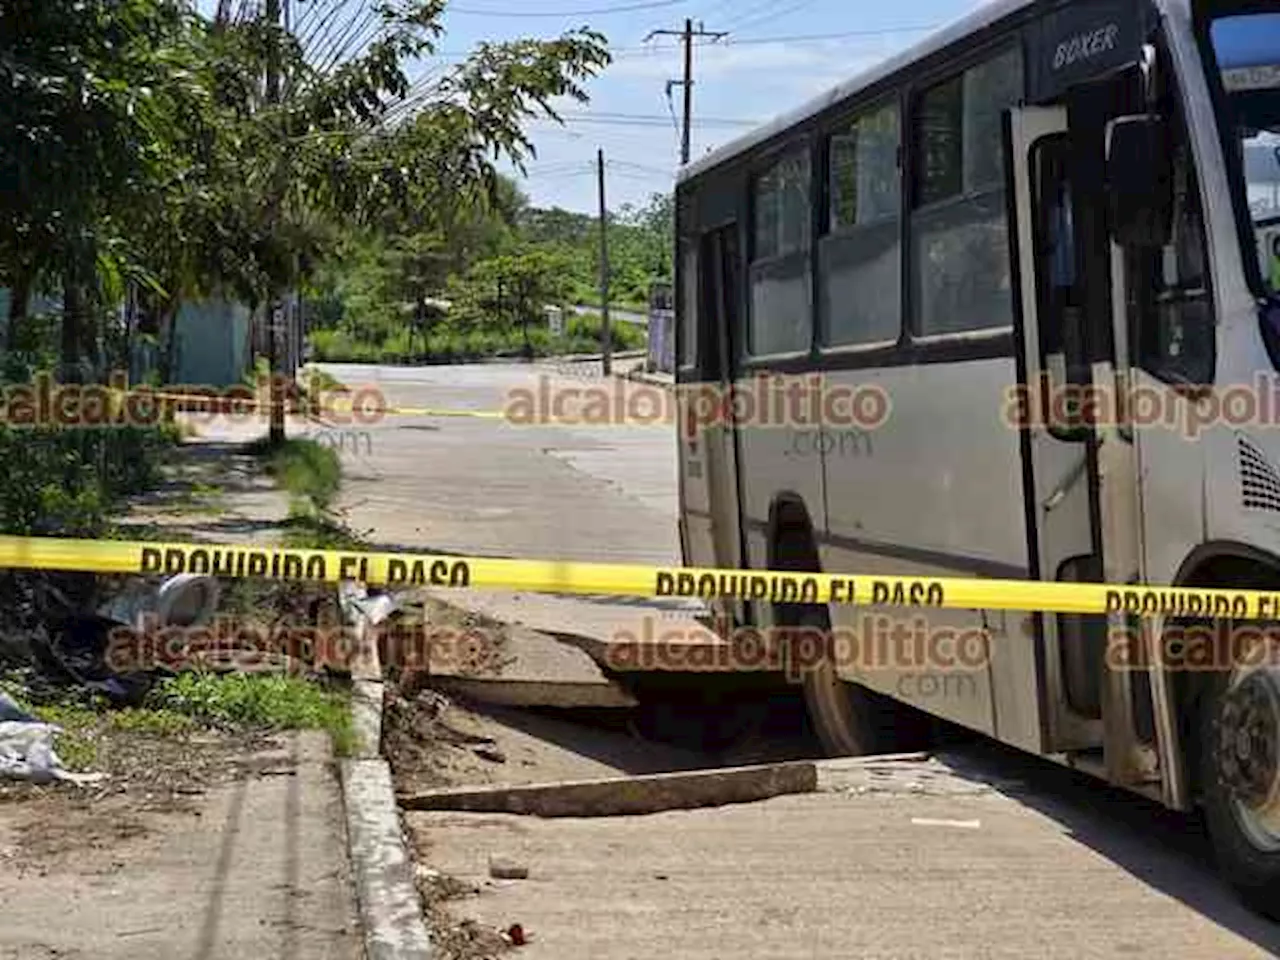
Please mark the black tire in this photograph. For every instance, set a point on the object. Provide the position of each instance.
(849, 719)
(1253, 871)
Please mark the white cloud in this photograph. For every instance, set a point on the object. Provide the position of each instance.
(713, 61)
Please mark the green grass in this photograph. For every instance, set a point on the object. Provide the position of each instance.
(189, 701)
(306, 530)
(582, 335)
(257, 701)
(309, 471)
(76, 744)
(201, 498)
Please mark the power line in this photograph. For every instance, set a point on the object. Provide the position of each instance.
(598, 12)
(773, 15)
(640, 166)
(845, 34)
(739, 15)
(731, 42)
(656, 117)
(655, 121)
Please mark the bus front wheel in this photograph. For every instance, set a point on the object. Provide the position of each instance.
(1240, 777)
(849, 719)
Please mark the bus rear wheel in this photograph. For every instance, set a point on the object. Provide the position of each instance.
(849, 719)
(1240, 777)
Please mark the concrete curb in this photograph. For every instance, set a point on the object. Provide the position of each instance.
(389, 905)
(640, 376)
(628, 796)
(387, 898)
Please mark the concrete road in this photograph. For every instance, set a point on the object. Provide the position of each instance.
(544, 491)
(1059, 866)
(600, 493)
(484, 487)
(930, 861)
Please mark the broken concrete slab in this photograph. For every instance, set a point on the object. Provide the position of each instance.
(505, 665)
(507, 692)
(628, 796)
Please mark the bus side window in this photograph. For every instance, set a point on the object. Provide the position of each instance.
(1169, 292)
(860, 257)
(1059, 291)
(686, 339)
(781, 308)
(959, 257)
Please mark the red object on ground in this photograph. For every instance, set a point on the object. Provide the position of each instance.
(516, 933)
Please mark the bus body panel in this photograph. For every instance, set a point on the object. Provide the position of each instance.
(777, 460)
(940, 489)
(936, 490)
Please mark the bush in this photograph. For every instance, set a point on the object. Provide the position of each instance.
(464, 343)
(62, 481)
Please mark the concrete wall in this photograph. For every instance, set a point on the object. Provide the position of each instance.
(212, 344)
(215, 341)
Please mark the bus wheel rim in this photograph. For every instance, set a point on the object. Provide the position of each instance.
(1248, 755)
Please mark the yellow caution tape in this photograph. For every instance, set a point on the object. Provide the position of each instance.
(554, 576)
(45, 403)
(244, 403)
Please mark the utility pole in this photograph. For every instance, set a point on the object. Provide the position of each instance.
(606, 335)
(276, 393)
(687, 34)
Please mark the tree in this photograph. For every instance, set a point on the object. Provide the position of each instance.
(144, 144)
(89, 83)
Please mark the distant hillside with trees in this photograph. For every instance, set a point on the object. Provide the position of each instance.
(477, 286)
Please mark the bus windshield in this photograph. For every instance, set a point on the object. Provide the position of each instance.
(1247, 48)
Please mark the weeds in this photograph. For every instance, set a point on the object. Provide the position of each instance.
(310, 472)
(310, 531)
(583, 334)
(256, 701)
(201, 498)
(190, 701)
(81, 726)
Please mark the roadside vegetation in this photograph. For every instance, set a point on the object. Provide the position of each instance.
(424, 292)
(188, 703)
(488, 340)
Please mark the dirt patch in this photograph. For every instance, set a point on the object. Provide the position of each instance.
(427, 636)
(454, 938)
(146, 775)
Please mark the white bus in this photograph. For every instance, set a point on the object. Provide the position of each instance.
(1046, 194)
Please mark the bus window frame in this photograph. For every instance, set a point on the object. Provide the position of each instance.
(688, 361)
(919, 86)
(801, 141)
(1180, 125)
(828, 131)
(1201, 22)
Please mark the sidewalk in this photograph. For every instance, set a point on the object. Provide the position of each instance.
(252, 868)
(214, 491)
(242, 855)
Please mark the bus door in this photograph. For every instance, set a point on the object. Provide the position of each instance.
(1081, 467)
(712, 441)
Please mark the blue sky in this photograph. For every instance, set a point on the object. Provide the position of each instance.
(767, 65)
